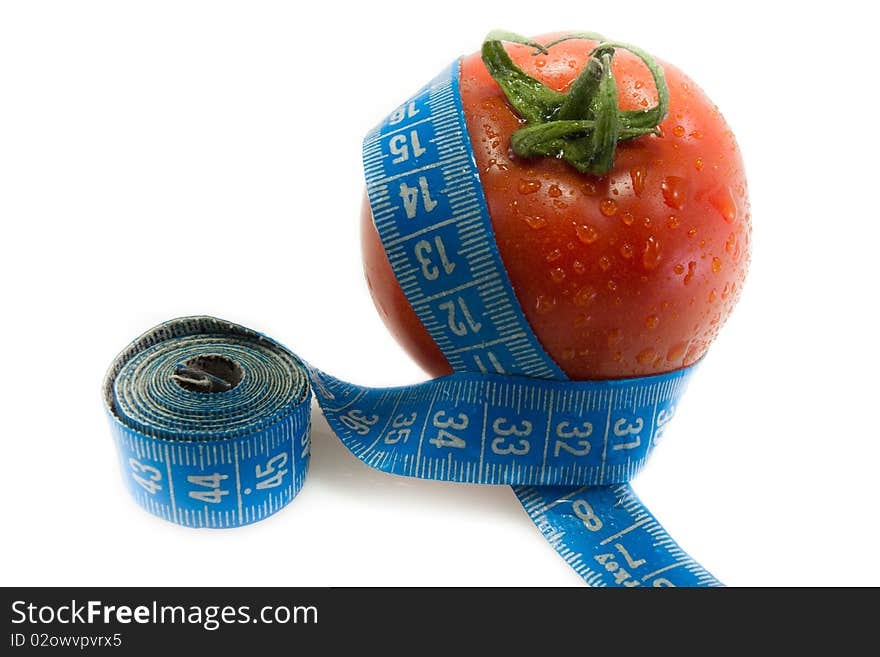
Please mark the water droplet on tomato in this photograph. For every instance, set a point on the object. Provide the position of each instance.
(692, 232)
(587, 233)
(612, 285)
(674, 191)
(528, 186)
(716, 264)
(722, 200)
(678, 269)
(730, 243)
(545, 304)
(652, 321)
(581, 320)
(639, 84)
(604, 263)
(578, 267)
(696, 134)
(501, 166)
(645, 356)
(534, 222)
(554, 255)
(651, 253)
(554, 191)
(712, 295)
(608, 207)
(590, 188)
(627, 250)
(627, 218)
(585, 295)
(557, 274)
(693, 352)
(673, 221)
(676, 352)
(678, 131)
(698, 164)
(692, 266)
(567, 353)
(637, 175)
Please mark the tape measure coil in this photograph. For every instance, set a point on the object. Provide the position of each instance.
(209, 459)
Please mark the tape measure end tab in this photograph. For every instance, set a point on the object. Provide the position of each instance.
(208, 373)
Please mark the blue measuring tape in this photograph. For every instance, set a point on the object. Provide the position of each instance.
(200, 456)
(211, 419)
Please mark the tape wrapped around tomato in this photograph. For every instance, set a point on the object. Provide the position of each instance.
(564, 207)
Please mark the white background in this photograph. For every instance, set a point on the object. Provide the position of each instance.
(167, 158)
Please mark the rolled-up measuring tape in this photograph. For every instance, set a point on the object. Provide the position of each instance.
(211, 422)
(211, 419)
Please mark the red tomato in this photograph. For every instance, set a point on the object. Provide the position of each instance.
(627, 274)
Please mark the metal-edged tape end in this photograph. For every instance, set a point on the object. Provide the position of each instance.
(210, 420)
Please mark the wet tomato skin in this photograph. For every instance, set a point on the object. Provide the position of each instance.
(392, 304)
(630, 274)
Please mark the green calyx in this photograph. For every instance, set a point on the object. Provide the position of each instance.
(584, 125)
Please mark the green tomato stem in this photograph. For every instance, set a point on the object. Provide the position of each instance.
(584, 125)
